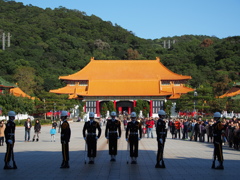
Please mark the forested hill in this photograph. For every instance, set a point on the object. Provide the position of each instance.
(47, 43)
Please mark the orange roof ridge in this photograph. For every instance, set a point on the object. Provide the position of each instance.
(125, 69)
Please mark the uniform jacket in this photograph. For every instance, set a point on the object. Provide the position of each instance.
(161, 129)
(91, 129)
(113, 129)
(65, 132)
(217, 131)
(134, 128)
(10, 131)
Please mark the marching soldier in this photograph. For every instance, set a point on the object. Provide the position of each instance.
(10, 140)
(133, 135)
(91, 137)
(161, 137)
(113, 133)
(218, 130)
(65, 139)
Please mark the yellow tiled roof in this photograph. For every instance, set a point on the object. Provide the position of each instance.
(18, 92)
(125, 69)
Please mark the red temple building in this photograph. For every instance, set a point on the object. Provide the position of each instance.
(124, 82)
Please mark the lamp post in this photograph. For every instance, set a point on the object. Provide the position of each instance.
(194, 103)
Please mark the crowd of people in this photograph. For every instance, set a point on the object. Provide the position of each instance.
(196, 129)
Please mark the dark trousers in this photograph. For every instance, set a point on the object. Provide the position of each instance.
(65, 151)
(218, 151)
(112, 144)
(9, 151)
(92, 146)
(133, 145)
(178, 133)
(160, 151)
(196, 135)
(1, 141)
(27, 135)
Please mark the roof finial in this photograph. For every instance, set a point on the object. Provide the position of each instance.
(92, 58)
(158, 59)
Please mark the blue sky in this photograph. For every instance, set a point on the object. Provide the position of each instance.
(153, 19)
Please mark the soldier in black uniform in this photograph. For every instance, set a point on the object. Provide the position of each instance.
(113, 133)
(218, 130)
(91, 137)
(65, 139)
(10, 140)
(161, 137)
(135, 129)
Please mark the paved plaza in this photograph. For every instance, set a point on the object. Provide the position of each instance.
(183, 159)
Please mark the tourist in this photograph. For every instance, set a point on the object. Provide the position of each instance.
(27, 125)
(2, 129)
(37, 130)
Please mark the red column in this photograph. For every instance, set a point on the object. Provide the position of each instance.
(134, 103)
(151, 109)
(120, 110)
(129, 110)
(98, 108)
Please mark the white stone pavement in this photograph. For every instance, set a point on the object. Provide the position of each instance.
(183, 159)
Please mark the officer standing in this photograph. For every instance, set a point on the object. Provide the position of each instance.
(133, 135)
(113, 133)
(91, 137)
(218, 130)
(161, 137)
(65, 139)
(10, 140)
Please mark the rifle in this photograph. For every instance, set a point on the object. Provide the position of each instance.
(14, 163)
(214, 159)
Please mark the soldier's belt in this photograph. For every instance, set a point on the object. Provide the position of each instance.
(133, 133)
(162, 133)
(11, 134)
(91, 134)
(214, 134)
(112, 131)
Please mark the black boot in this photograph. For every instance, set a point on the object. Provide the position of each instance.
(163, 164)
(220, 166)
(7, 166)
(63, 162)
(37, 140)
(158, 165)
(33, 140)
(66, 165)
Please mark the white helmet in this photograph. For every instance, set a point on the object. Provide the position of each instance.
(161, 112)
(133, 114)
(11, 113)
(217, 114)
(113, 113)
(64, 113)
(91, 114)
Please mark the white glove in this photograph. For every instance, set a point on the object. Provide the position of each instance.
(10, 141)
(161, 141)
(139, 138)
(96, 138)
(126, 139)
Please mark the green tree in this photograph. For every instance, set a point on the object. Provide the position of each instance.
(167, 107)
(110, 106)
(104, 110)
